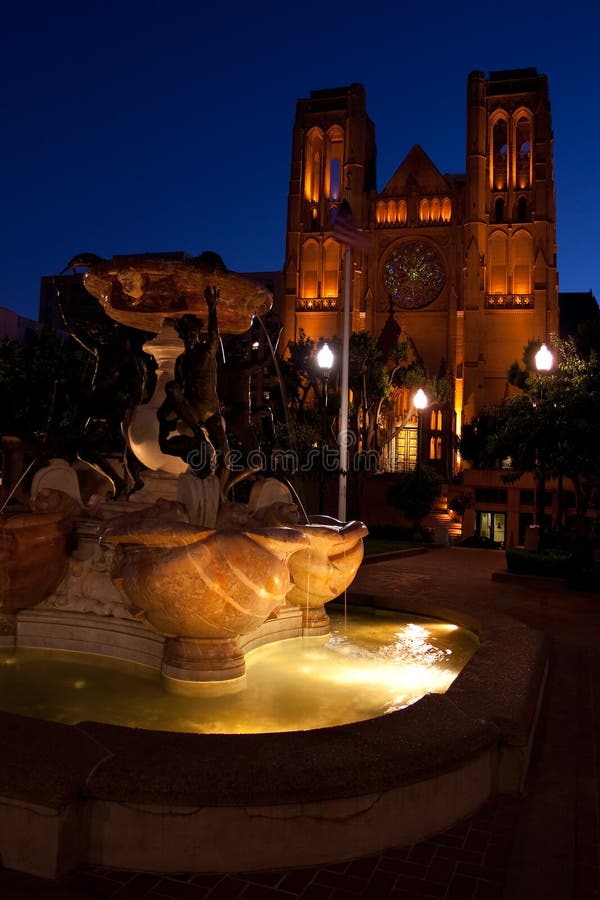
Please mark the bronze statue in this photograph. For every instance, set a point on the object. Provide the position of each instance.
(191, 399)
(120, 381)
(234, 375)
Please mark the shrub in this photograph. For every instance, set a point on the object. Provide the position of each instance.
(548, 564)
(415, 492)
(388, 532)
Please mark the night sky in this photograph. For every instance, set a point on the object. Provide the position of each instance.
(134, 127)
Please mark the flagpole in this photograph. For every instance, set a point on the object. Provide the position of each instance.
(345, 389)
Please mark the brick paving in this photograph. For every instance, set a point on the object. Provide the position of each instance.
(545, 844)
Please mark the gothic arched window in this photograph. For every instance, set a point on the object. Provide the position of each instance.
(522, 262)
(335, 160)
(309, 282)
(312, 168)
(498, 258)
(522, 214)
(500, 155)
(523, 149)
(331, 268)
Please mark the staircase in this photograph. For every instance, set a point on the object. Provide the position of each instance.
(439, 515)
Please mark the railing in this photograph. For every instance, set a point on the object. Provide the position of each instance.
(509, 301)
(317, 304)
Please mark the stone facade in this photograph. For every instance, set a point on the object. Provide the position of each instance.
(465, 264)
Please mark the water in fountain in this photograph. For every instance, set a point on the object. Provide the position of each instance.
(372, 665)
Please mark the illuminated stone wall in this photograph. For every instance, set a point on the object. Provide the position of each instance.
(465, 263)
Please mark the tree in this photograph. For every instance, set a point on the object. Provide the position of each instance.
(41, 383)
(370, 381)
(552, 426)
(415, 493)
(477, 440)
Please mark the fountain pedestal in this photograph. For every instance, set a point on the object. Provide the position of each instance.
(195, 665)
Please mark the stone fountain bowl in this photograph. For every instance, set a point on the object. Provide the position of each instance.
(34, 549)
(221, 585)
(142, 290)
(326, 567)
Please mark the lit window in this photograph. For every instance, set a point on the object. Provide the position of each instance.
(312, 171)
(331, 268)
(310, 270)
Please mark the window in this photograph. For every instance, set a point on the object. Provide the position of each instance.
(334, 180)
(435, 448)
(490, 495)
(522, 215)
(523, 146)
(331, 268)
(498, 247)
(312, 170)
(335, 159)
(522, 256)
(435, 420)
(491, 526)
(310, 270)
(500, 155)
(424, 210)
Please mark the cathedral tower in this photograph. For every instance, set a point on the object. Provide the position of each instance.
(510, 285)
(463, 266)
(333, 158)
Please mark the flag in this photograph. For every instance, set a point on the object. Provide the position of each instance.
(344, 230)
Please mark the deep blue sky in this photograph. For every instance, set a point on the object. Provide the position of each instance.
(132, 126)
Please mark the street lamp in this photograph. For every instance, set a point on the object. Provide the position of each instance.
(543, 359)
(543, 363)
(325, 362)
(420, 402)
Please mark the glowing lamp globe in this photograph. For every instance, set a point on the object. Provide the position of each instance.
(420, 400)
(325, 357)
(543, 359)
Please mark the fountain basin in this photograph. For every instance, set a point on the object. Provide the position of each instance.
(143, 289)
(113, 796)
(28, 537)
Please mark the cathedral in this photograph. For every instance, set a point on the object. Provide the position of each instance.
(461, 266)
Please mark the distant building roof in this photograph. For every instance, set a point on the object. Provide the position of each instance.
(13, 326)
(575, 308)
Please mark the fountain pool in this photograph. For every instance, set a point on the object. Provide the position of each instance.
(371, 664)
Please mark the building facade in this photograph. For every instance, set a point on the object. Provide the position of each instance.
(463, 266)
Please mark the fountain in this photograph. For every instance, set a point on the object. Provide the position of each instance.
(203, 572)
(173, 574)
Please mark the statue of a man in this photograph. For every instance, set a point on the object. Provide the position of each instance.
(191, 398)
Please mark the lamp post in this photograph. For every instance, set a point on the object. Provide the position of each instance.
(325, 362)
(543, 363)
(420, 402)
